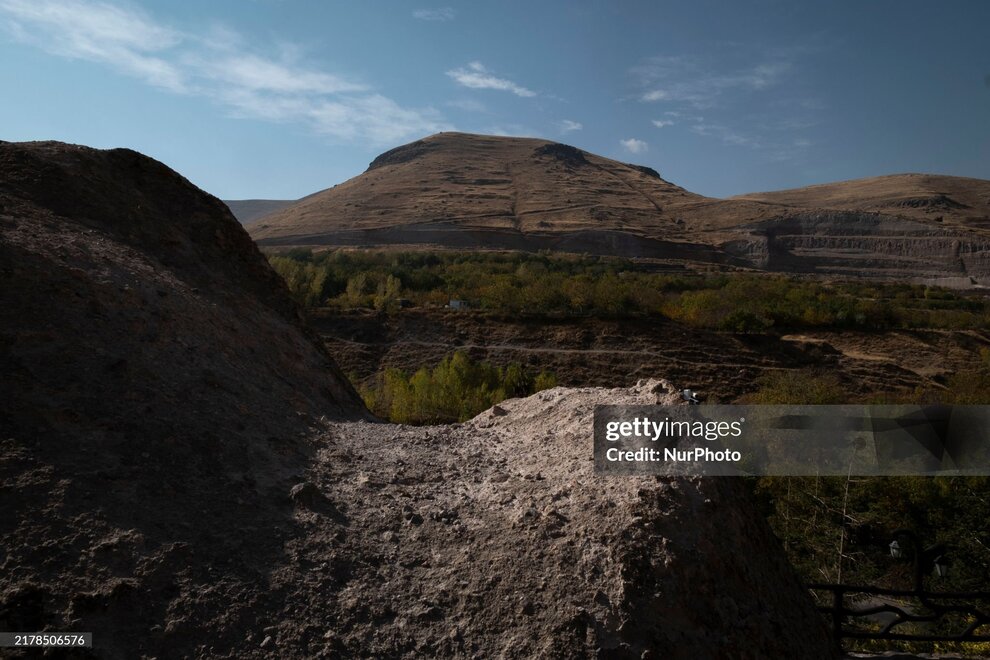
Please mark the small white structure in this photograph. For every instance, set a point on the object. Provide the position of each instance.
(457, 304)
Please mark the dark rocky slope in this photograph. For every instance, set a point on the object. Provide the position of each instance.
(157, 383)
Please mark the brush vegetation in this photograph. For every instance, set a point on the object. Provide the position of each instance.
(520, 283)
(454, 390)
(837, 529)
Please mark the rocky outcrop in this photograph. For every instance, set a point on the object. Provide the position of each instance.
(863, 244)
(571, 156)
(497, 539)
(403, 154)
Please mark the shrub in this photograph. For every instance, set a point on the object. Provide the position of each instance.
(454, 390)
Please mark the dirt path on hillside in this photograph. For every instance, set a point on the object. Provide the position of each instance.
(613, 353)
(557, 351)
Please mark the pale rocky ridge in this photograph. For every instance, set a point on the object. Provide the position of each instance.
(496, 538)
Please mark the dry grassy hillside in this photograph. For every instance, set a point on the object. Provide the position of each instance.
(927, 197)
(248, 210)
(482, 181)
(461, 191)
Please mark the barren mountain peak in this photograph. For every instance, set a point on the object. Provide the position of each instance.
(452, 189)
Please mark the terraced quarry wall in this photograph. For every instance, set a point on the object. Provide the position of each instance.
(864, 244)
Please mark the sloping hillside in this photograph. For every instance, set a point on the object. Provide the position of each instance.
(926, 197)
(158, 386)
(480, 181)
(461, 191)
(248, 210)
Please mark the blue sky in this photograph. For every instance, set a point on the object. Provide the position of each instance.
(278, 99)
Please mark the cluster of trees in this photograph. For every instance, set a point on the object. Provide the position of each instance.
(837, 529)
(455, 390)
(753, 303)
(517, 282)
(544, 283)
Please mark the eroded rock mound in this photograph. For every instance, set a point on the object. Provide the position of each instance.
(158, 384)
(126, 287)
(496, 539)
(570, 156)
(403, 154)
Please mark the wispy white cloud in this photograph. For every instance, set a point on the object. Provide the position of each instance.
(510, 130)
(784, 151)
(124, 39)
(791, 124)
(567, 125)
(374, 116)
(725, 134)
(686, 80)
(218, 65)
(776, 147)
(685, 86)
(476, 76)
(634, 146)
(470, 105)
(438, 14)
(251, 72)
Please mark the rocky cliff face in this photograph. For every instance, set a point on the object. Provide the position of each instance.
(185, 474)
(865, 244)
